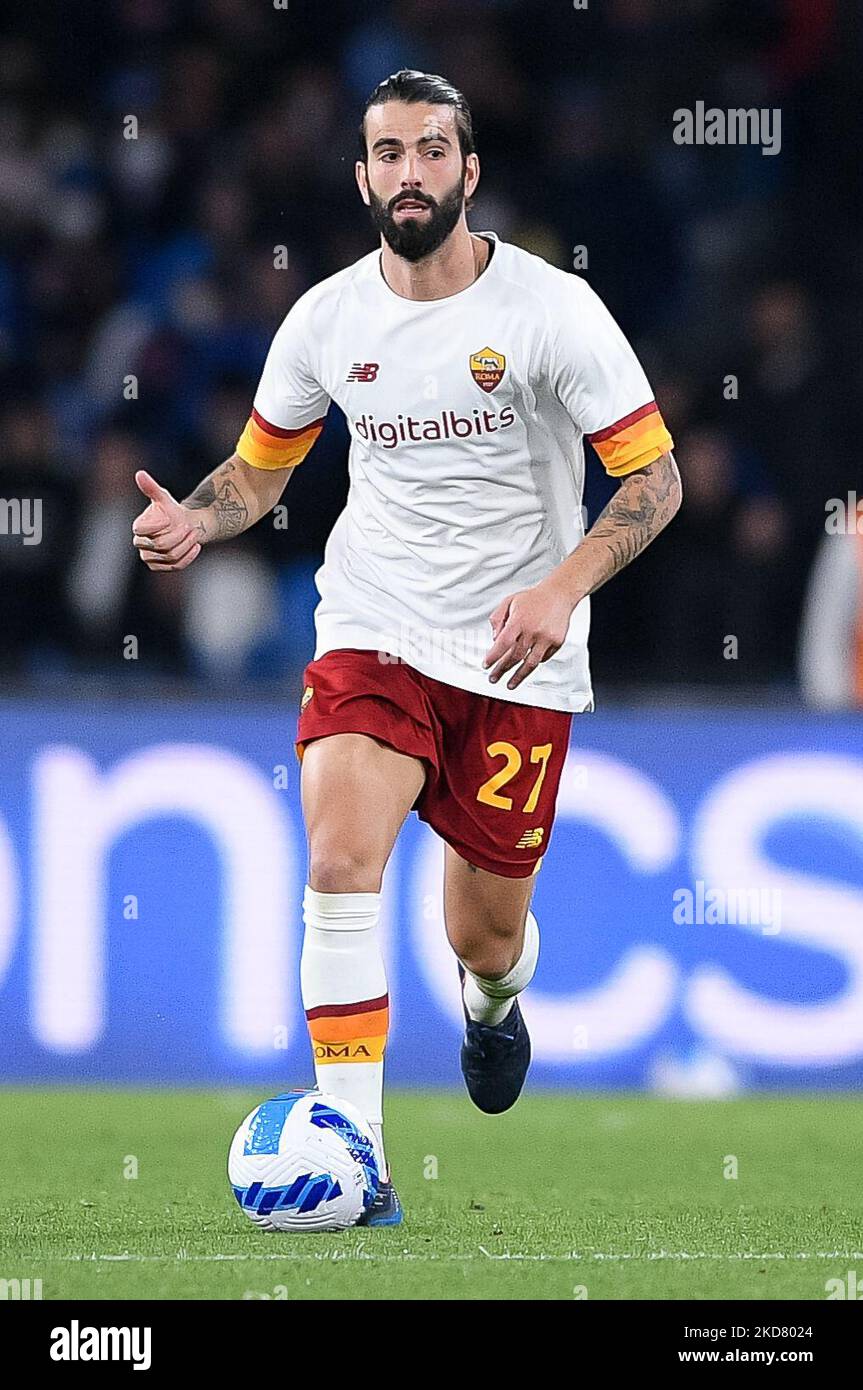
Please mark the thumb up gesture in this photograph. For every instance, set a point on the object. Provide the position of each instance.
(163, 534)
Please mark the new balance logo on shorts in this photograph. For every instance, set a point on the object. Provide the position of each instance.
(363, 371)
(531, 839)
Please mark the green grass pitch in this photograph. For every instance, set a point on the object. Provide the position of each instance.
(604, 1197)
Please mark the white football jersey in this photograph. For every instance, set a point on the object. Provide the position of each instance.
(467, 416)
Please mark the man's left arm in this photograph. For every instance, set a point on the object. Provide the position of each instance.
(643, 505)
(531, 626)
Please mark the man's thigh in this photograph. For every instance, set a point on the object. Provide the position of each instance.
(356, 792)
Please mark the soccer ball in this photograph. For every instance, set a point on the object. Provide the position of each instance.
(304, 1161)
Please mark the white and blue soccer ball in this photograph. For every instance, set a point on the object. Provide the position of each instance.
(304, 1161)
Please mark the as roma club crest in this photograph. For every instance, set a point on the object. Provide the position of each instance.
(487, 368)
(307, 695)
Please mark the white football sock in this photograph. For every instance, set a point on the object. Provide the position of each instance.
(344, 991)
(489, 1001)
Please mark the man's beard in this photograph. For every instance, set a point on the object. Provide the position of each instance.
(417, 237)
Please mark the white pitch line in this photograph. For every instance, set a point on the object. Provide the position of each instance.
(361, 1254)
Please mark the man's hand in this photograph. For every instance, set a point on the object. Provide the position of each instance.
(528, 628)
(164, 533)
(536, 621)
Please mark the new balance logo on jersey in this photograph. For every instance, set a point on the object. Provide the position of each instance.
(363, 371)
(531, 839)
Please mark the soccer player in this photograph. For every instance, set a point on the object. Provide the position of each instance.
(452, 625)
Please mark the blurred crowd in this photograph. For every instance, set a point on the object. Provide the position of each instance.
(174, 173)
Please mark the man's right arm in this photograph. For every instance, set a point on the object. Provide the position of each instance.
(287, 417)
(233, 497)
(169, 534)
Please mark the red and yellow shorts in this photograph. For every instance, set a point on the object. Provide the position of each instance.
(492, 767)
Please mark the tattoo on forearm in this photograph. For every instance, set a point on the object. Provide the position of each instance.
(645, 503)
(219, 494)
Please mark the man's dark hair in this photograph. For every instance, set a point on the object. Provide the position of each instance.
(411, 86)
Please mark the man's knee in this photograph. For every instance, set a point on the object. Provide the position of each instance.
(345, 868)
(489, 950)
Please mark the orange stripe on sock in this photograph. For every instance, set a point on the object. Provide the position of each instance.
(346, 1027)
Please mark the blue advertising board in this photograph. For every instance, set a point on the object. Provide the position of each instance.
(700, 905)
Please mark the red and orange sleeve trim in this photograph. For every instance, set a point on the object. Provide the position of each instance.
(632, 442)
(267, 446)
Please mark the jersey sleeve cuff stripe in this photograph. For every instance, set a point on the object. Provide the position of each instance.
(262, 450)
(626, 422)
(277, 430)
(639, 455)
